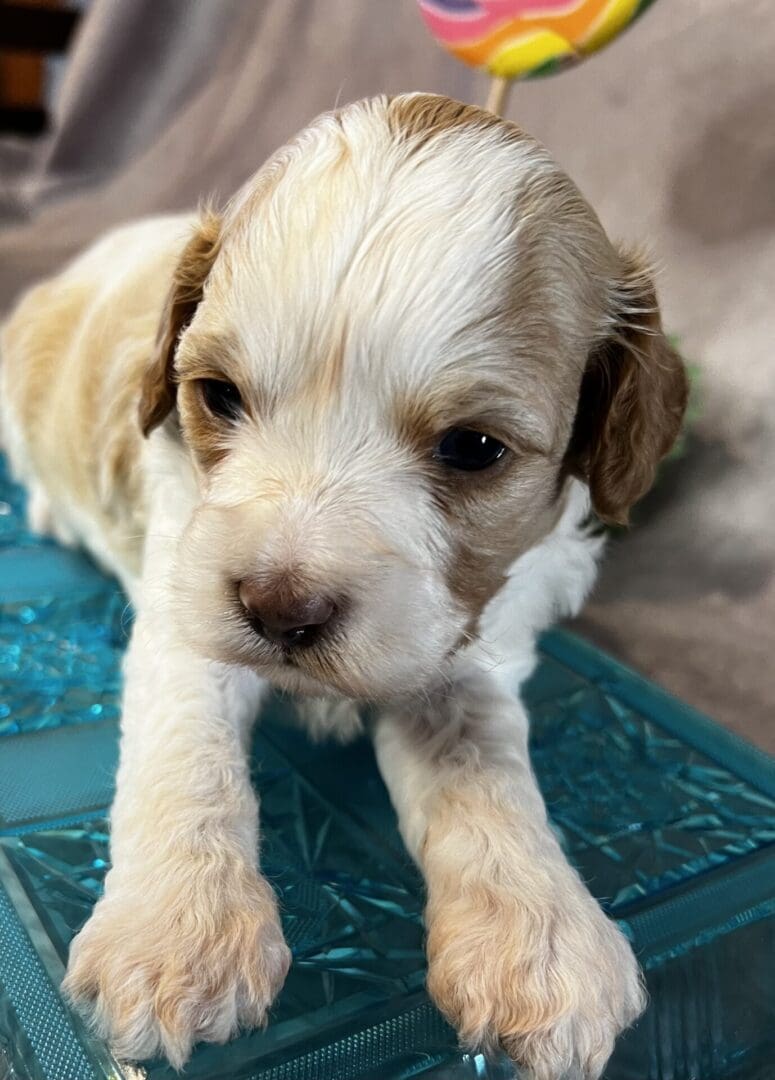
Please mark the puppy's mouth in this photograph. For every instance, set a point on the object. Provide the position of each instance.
(313, 664)
(348, 655)
(324, 669)
(309, 676)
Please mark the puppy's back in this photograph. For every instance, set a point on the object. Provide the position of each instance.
(72, 354)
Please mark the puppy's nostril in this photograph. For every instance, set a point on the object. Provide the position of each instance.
(291, 621)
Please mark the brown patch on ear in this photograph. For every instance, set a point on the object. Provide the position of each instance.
(159, 389)
(421, 117)
(631, 404)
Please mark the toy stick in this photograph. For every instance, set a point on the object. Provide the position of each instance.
(498, 97)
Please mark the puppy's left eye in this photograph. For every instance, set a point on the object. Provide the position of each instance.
(221, 398)
(468, 450)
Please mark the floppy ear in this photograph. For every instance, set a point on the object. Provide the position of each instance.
(159, 390)
(632, 400)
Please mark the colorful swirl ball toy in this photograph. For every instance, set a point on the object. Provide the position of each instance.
(514, 39)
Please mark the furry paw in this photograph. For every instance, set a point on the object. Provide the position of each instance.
(162, 965)
(553, 985)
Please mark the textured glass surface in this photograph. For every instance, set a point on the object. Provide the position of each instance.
(13, 532)
(670, 821)
(59, 661)
(63, 628)
(710, 1015)
(626, 793)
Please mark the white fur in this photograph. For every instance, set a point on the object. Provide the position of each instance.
(349, 242)
(519, 953)
(186, 942)
(549, 582)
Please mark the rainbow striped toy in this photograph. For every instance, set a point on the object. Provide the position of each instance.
(514, 39)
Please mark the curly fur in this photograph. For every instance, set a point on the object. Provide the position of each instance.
(401, 268)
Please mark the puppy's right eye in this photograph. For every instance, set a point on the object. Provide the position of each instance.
(221, 398)
(466, 450)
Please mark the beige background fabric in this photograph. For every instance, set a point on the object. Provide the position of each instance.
(671, 135)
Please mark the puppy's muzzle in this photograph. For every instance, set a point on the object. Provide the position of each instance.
(284, 617)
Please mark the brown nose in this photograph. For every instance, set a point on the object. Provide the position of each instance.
(282, 617)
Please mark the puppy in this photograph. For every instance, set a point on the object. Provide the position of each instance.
(343, 439)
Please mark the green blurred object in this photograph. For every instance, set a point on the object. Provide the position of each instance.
(670, 819)
(693, 407)
(645, 508)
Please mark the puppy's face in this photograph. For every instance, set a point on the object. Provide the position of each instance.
(405, 334)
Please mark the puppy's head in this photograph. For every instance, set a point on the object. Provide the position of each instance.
(402, 338)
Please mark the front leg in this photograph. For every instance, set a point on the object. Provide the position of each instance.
(519, 954)
(185, 944)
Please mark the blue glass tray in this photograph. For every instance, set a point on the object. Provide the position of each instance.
(670, 819)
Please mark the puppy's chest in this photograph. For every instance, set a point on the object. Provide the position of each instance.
(326, 718)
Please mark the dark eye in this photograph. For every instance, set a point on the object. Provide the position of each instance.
(469, 451)
(221, 398)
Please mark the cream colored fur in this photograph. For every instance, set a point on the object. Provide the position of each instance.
(401, 268)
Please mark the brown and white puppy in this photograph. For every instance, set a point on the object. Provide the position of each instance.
(343, 439)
